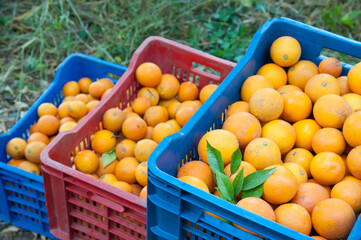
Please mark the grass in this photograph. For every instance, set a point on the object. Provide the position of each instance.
(37, 35)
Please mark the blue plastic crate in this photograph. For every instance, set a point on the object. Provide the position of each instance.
(22, 201)
(177, 209)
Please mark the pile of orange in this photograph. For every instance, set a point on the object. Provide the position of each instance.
(79, 99)
(305, 120)
(162, 106)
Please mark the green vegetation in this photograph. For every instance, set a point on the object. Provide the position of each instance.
(37, 35)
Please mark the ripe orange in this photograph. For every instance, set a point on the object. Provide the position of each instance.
(301, 72)
(105, 93)
(141, 173)
(47, 109)
(350, 192)
(108, 178)
(71, 89)
(77, 109)
(285, 51)
(352, 178)
(199, 170)
(134, 128)
(247, 169)
(148, 74)
(354, 162)
(297, 170)
(222, 140)
(354, 100)
(195, 182)
(166, 103)
(328, 140)
(187, 91)
(252, 85)
(34, 128)
(123, 186)
(168, 86)
(155, 115)
(295, 217)
(143, 193)
(262, 152)
(352, 129)
(184, 113)
(82, 97)
(15, 148)
(300, 156)
(15, 162)
(280, 187)
(326, 187)
(125, 148)
(343, 83)
(331, 111)
(331, 66)
(173, 124)
(354, 78)
(67, 119)
(125, 170)
(86, 161)
(38, 137)
(321, 84)
(288, 88)
(103, 141)
(109, 169)
(143, 149)
(136, 188)
(266, 104)
(305, 130)
(140, 105)
(333, 218)
(150, 93)
(48, 125)
(149, 133)
(84, 84)
(296, 106)
(173, 108)
(282, 133)
(207, 91)
(236, 107)
(108, 84)
(63, 110)
(276, 74)
(309, 194)
(96, 89)
(327, 168)
(67, 126)
(162, 130)
(244, 126)
(113, 119)
(29, 167)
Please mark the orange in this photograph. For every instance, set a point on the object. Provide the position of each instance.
(162, 130)
(173, 108)
(103, 141)
(141, 173)
(196, 104)
(67, 126)
(247, 170)
(354, 100)
(305, 130)
(301, 72)
(143, 149)
(96, 89)
(77, 109)
(93, 175)
(68, 99)
(354, 162)
(266, 104)
(350, 192)
(109, 169)
(195, 182)
(236, 107)
(309, 194)
(34, 128)
(352, 178)
(48, 125)
(318, 238)
(343, 84)
(166, 103)
(63, 110)
(15, 162)
(252, 85)
(327, 168)
(82, 97)
(354, 78)
(86, 161)
(125, 170)
(132, 114)
(108, 178)
(125, 148)
(187, 91)
(295, 217)
(155, 115)
(123, 186)
(84, 84)
(280, 187)
(331, 111)
(90, 105)
(15, 148)
(331, 66)
(282, 133)
(108, 84)
(67, 119)
(199, 170)
(326, 187)
(328, 140)
(333, 218)
(47, 109)
(288, 88)
(168, 86)
(222, 140)
(136, 188)
(29, 167)
(38, 137)
(285, 51)
(105, 93)
(149, 133)
(352, 129)
(262, 152)
(300, 156)
(150, 93)
(173, 124)
(140, 105)
(113, 119)
(143, 193)
(148, 74)
(71, 89)
(134, 128)
(207, 91)
(127, 110)
(276, 74)
(321, 84)
(244, 126)
(296, 106)
(184, 113)
(297, 170)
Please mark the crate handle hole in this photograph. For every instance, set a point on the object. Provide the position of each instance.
(206, 69)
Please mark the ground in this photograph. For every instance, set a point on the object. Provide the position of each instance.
(35, 36)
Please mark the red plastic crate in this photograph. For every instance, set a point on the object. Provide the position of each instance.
(82, 207)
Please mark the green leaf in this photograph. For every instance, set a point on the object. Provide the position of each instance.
(108, 157)
(236, 161)
(238, 182)
(214, 159)
(254, 192)
(257, 178)
(225, 187)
